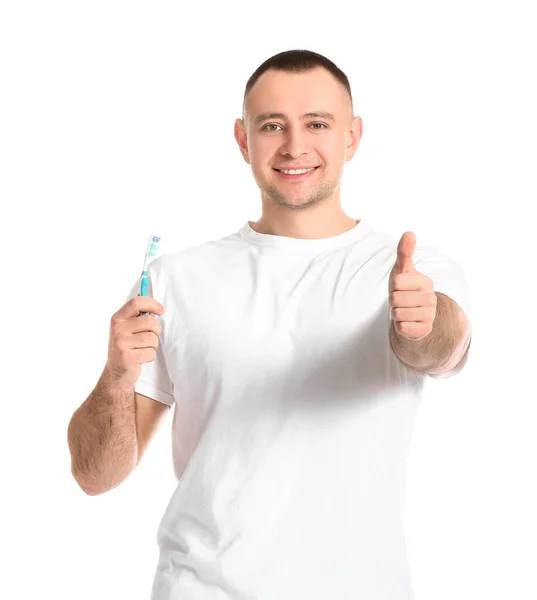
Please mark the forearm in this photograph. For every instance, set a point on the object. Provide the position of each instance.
(442, 349)
(102, 437)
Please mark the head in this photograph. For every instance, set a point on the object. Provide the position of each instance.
(298, 112)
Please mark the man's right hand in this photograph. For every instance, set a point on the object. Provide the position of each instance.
(133, 340)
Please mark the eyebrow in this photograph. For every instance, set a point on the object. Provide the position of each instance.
(320, 114)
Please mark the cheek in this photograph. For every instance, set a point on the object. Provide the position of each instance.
(335, 148)
(330, 150)
(261, 155)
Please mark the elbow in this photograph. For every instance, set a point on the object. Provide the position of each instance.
(96, 475)
(455, 368)
(91, 492)
(95, 487)
(89, 488)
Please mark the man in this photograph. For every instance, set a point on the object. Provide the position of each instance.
(295, 351)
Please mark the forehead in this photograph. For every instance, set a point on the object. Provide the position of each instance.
(300, 93)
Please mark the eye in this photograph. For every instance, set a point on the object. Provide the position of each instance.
(275, 125)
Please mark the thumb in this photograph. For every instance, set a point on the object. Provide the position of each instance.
(405, 251)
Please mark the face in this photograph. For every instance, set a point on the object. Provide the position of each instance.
(291, 138)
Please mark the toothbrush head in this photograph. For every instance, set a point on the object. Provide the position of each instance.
(152, 246)
(151, 250)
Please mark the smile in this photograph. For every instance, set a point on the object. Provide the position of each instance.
(297, 174)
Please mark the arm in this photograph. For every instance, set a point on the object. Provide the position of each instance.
(109, 433)
(444, 351)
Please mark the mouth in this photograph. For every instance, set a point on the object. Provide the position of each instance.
(298, 176)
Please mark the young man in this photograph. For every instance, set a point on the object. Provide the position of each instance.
(295, 352)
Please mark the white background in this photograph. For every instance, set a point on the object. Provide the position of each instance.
(116, 121)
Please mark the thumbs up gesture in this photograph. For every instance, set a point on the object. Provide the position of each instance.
(412, 297)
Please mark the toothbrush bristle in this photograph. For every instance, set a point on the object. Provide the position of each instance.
(152, 247)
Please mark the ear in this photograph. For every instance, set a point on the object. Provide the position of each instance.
(354, 136)
(242, 139)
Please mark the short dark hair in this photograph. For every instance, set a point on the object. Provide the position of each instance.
(297, 61)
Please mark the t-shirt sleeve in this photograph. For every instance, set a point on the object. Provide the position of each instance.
(154, 380)
(447, 276)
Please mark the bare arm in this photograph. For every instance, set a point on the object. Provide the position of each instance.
(441, 352)
(102, 437)
(109, 433)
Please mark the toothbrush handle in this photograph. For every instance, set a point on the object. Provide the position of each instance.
(143, 286)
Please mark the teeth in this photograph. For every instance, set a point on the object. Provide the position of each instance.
(295, 172)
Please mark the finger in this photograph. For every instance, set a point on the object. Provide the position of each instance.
(146, 339)
(414, 331)
(144, 323)
(140, 304)
(415, 282)
(405, 251)
(411, 299)
(411, 315)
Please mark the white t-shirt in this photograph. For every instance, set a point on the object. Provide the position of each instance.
(292, 419)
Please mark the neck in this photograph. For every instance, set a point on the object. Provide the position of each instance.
(304, 226)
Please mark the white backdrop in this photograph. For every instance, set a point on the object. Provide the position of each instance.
(116, 121)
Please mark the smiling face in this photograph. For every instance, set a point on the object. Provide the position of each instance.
(298, 120)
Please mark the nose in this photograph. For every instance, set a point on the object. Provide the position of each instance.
(295, 143)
